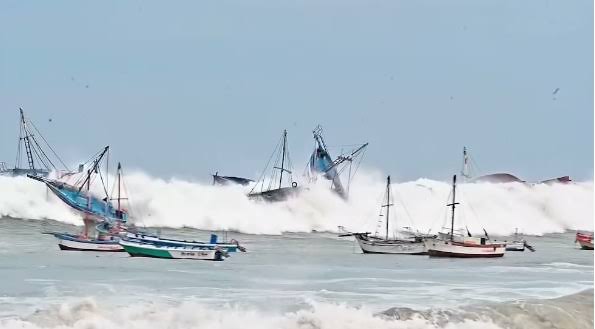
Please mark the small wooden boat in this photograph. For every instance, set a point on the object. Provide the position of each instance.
(71, 242)
(410, 244)
(461, 246)
(518, 243)
(139, 249)
(585, 240)
(231, 246)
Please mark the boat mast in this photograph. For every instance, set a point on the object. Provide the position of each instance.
(283, 157)
(452, 223)
(27, 141)
(119, 180)
(465, 171)
(387, 203)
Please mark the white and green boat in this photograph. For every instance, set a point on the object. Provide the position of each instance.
(139, 249)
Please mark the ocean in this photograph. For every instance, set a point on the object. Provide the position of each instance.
(297, 272)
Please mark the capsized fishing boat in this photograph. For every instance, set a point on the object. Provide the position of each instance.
(518, 243)
(322, 164)
(282, 164)
(229, 180)
(78, 195)
(410, 243)
(585, 240)
(140, 249)
(39, 162)
(94, 210)
(459, 245)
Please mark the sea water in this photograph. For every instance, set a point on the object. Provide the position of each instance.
(300, 280)
(292, 277)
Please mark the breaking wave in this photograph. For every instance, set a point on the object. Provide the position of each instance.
(574, 311)
(499, 208)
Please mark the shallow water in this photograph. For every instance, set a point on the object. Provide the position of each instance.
(277, 280)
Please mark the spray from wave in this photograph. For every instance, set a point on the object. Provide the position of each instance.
(499, 208)
(573, 311)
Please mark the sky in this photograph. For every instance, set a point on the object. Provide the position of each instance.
(187, 88)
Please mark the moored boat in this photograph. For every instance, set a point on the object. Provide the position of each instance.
(459, 245)
(231, 246)
(585, 240)
(71, 242)
(408, 244)
(518, 243)
(139, 249)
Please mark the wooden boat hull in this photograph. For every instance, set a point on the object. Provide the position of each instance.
(71, 243)
(441, 248)
(148, 250)
(377, 246)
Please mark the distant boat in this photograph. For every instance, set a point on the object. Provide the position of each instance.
(228, 180)
(276, 191)
(321, 163)
(139, 249)
(461, 246)
(585, 240)
(410, 244)
(38, 160)
(469, 176)
(518, 243)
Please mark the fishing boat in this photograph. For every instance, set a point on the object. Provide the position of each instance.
(78, 195)
(71, 242)
(322, 164)
(410, 244)
(585, 240)
(282, 164)
(38, 159)
(231, 246)
(459, 245)
(94, 210)
(139, 249)
(518, 243)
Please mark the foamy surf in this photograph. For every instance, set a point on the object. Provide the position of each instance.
(574, 311)
(499, 208)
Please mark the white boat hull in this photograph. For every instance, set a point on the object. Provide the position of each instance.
(372, 246)
(89, 246)
(515, 246)
(447, 248)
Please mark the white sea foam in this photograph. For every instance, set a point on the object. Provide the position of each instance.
(499, 208)
(572, 311)
(88, 314)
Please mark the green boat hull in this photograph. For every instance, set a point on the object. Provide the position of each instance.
(145, 252)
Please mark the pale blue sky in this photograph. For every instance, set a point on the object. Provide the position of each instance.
(185, 88)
